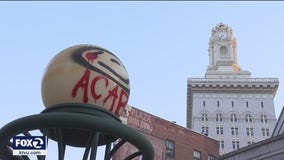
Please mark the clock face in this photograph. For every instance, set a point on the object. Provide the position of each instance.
(222, 35)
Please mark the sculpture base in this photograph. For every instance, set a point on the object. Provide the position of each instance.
(79, 137)
(80, 125)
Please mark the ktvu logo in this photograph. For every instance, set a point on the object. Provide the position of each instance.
(26, 145)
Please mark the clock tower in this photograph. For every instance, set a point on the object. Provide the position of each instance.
(223, 54)
(228, 104)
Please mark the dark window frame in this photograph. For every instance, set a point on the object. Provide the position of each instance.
(170, 148)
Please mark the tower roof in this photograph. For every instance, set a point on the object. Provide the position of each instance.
(222, 26)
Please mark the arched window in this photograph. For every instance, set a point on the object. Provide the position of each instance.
(234, 117)
(263, 118)
(218, 117)
(224, 51)
(248, 118)
(204, 117)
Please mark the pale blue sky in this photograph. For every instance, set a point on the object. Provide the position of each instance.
(160, 43)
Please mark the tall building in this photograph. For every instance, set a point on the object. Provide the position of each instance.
(269, 149)
(227, 104)
(169, 140)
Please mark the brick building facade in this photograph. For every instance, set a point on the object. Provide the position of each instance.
(170, 141)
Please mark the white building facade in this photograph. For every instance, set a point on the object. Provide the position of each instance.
(227, 104)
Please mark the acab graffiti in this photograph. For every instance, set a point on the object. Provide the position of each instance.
(94, 88)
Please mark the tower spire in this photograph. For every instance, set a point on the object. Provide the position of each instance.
(223, 54)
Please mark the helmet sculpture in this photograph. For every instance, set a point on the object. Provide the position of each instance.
(86, 74)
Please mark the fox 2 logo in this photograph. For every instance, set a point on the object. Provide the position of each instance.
(29, 142)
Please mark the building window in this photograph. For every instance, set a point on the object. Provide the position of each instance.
(204, 130)
(219, 130)
(210, 157)
(196, 155)
(219, 117)
(235, 131)
(265, 131)
(250, 142)
(248, 118)
(262, 105)
(233, 117)
(263, 118)
(235, 144)
(218, 104)
(203, 103)
(221, 144)
(249, 131)
(223, 51)
(247, 104)
(232, 103)
(170, 148)
(204, 117)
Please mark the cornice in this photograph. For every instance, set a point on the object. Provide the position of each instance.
(241, 85)
(233, 82)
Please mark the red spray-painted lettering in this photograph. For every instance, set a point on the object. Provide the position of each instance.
(112, 95)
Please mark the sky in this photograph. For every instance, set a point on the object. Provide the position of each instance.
(161, 44)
